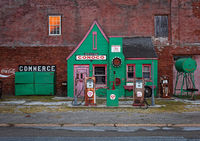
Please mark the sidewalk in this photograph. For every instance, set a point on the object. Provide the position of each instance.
(22, 113)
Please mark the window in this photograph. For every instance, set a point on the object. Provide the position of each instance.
(146, 72)
(54, 25)
(161, 26)
(130, 72)
(100, 74)
(94, 40)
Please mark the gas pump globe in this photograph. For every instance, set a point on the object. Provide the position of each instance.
(90, 83)
(90, 96)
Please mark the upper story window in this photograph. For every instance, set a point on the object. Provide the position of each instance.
(161, 26)
(54, 25)
(94, 34)
(130, 72)
(146, 72)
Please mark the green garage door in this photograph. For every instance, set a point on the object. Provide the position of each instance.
(44, 77)
(24, 77)
(34, 83)
(24, 89)
(44, 89)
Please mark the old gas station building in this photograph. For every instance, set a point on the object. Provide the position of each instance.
(114, 61)
(74, 38)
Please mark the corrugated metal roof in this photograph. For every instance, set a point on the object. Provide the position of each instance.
(138, 47)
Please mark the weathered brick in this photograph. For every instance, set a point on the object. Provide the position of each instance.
(24, 38)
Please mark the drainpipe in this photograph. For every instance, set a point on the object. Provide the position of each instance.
(170, 23)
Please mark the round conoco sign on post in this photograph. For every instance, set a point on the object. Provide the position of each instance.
(112, 96)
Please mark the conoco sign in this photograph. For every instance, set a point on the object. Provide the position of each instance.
(91, 57)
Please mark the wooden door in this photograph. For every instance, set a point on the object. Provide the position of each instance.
(80, 72)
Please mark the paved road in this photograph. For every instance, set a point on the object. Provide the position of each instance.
(29, 134)
(96, 139)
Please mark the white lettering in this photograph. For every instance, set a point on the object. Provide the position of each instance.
(53, 68)
(20, 68)
(39, 68)
(25, 68)
(8, 71)
(34, 68)
(43, 68)
(48, 68)
(30, 68)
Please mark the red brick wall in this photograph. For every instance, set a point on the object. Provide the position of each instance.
(24, 38)
(11, 58)
(25, 22)
(166, 60)
(185, 19)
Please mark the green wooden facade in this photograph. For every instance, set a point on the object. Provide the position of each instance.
(104, 47)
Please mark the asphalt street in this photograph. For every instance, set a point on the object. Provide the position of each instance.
(95, 124)
(52, 134)
(97, 139)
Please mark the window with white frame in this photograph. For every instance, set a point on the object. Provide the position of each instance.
(146, 72)
(54, 25)
(130, 72)
(100, 74)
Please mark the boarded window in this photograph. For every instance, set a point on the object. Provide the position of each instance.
(161, 26)
(54, 25)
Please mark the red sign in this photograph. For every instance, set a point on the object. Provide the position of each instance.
(91, 57)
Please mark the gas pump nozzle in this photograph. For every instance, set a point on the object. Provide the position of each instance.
(113, 88)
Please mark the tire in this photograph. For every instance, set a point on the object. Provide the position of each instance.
(147, 91)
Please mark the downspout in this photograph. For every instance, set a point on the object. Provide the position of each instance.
(170, 23)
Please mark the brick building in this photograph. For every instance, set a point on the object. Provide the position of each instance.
(45, 32)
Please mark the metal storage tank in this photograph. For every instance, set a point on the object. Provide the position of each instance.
(187, 65)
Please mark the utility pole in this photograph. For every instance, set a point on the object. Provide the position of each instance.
(152, 97)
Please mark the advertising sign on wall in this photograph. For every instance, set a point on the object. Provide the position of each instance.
(91, 57)
(115, 48)
(37, 68)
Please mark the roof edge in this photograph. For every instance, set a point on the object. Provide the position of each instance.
(94, 23)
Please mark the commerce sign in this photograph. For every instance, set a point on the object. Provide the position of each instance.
(91, 57)
(35, 68)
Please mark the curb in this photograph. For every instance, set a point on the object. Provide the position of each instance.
(97, 125)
